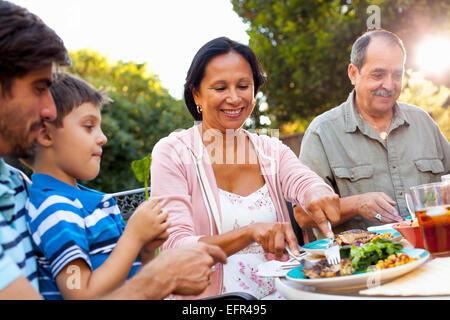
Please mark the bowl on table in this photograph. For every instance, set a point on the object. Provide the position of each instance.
(409, 229)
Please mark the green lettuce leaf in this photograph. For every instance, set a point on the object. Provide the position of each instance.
(369, 253)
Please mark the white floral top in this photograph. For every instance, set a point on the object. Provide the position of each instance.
(239, 273)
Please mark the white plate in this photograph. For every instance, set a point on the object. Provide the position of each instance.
(295, 291)
(381, 227)
(360, 280)
(317, 248)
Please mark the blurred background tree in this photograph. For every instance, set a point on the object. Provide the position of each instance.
(142, 113)
(430, 97)
(304, 46)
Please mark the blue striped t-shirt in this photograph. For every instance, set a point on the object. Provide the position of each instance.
(16, 251)
(68, 223)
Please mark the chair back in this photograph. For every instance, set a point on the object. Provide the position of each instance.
(129, 200)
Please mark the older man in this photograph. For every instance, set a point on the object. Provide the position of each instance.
(29, 51)
(371, 149)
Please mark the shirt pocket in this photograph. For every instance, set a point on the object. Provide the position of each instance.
(429, 170)
(354, 180)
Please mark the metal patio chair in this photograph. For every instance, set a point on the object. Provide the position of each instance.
(129, 200)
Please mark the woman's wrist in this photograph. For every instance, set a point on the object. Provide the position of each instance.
(249, 232)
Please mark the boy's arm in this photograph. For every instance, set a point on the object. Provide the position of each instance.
(19, 289)
(77, 281)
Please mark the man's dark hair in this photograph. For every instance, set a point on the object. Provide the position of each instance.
(69, 92)
(26, 44)
(206, 53)
(359, 48)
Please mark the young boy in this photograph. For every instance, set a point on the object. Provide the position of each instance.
(82, 245)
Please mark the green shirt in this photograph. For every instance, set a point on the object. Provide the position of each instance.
(350, 156)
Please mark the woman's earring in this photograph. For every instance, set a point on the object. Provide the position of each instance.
(199, 109)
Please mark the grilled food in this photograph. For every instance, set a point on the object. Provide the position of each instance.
(354, 236)
(324, 270)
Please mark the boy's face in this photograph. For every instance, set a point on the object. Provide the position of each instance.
(77, 145)
(23, 110)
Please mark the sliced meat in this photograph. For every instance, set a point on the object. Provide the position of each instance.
(354, 236)
(324, 270)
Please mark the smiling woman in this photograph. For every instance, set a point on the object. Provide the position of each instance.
(225, 186)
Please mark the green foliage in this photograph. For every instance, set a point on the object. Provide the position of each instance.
(433, 99)
(304, 45)
(142, 113)
(141, 169)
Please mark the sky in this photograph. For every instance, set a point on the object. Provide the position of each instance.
(164, 33)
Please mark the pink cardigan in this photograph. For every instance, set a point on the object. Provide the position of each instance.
(179, 159)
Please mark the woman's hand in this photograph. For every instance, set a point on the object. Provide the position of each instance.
(321, 205)
(273, 237)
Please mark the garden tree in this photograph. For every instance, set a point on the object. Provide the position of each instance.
(433, 99)
(142, 112)
(304, 46)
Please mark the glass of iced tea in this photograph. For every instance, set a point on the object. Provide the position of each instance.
(432, 207)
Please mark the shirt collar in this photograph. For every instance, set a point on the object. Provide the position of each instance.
(88, 197)
(353, 120)
(5, 174)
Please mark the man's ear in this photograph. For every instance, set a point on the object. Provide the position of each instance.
(45, 137)
(352, 72)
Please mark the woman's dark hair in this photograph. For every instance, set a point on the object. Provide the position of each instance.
(209, 51)
(26, 44)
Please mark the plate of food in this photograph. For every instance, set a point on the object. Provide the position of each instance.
(350, 237)
(370, 264)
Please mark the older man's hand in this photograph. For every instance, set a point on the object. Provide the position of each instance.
(372, 204)
(321, 205)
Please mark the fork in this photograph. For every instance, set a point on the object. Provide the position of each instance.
(332, 251)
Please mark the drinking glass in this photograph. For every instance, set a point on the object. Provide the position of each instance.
(432, 206)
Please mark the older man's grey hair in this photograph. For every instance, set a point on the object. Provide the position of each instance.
(359, 48)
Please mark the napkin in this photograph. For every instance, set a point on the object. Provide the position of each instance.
(273, 269)
(431, 279)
